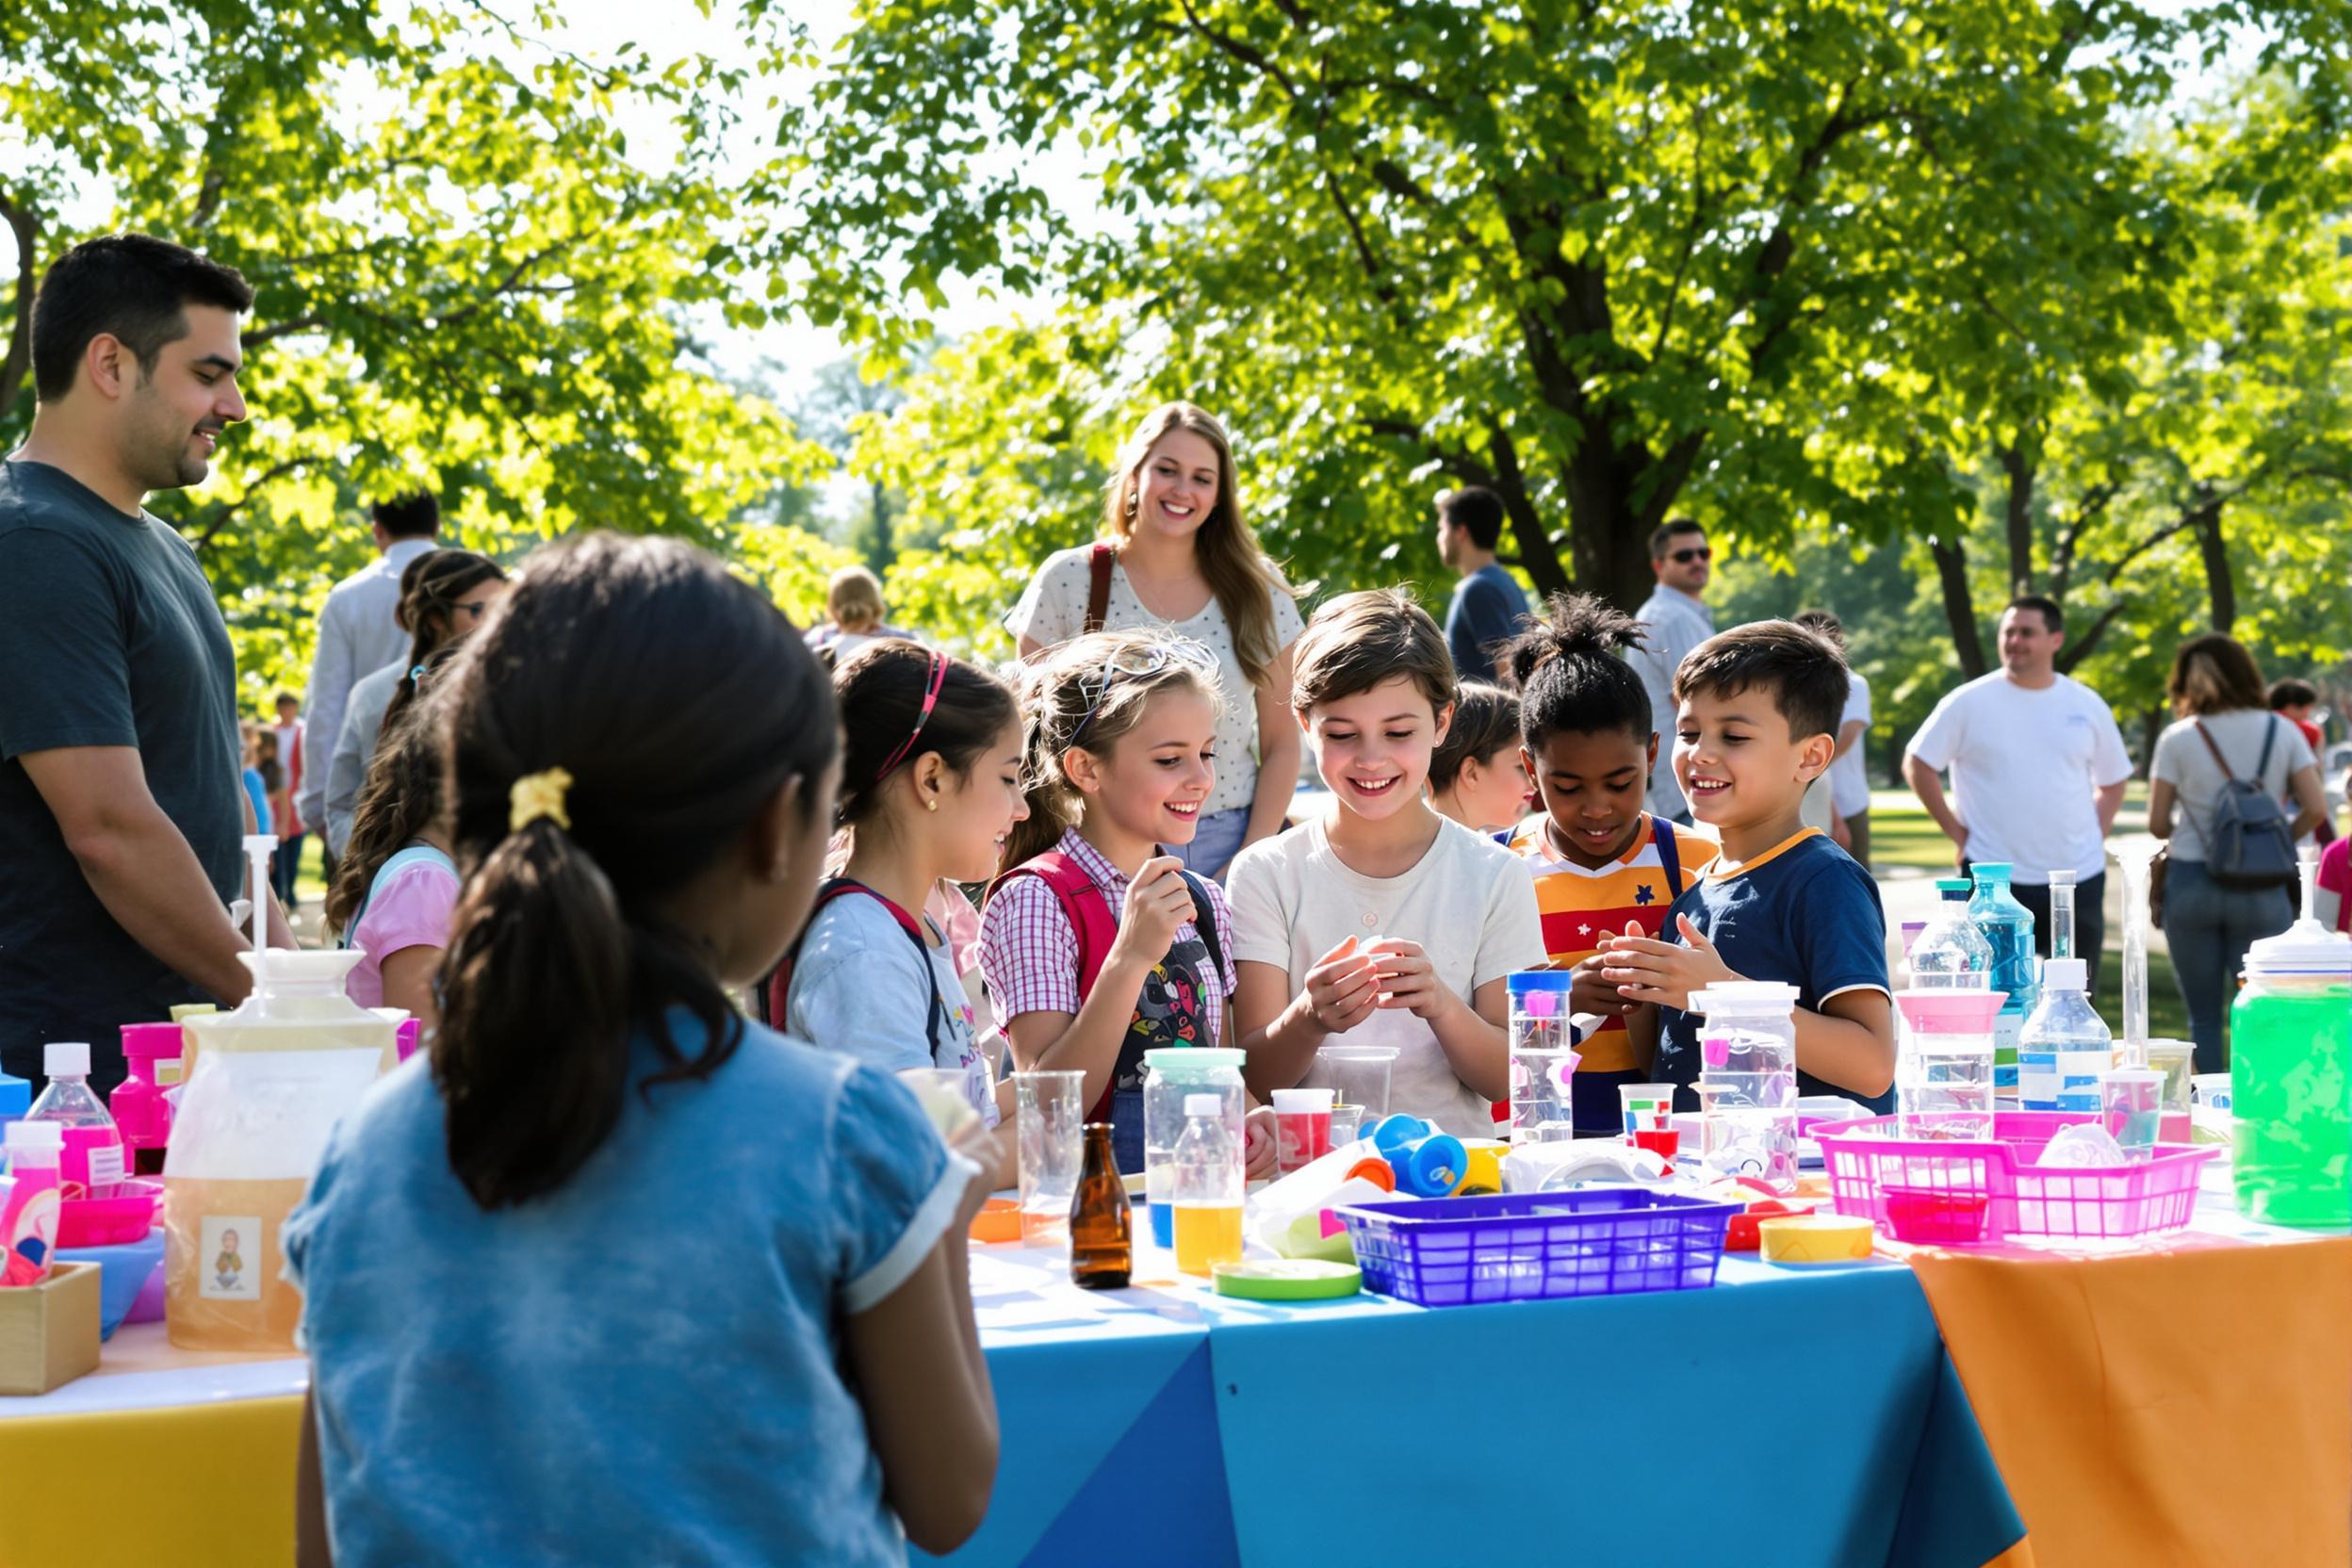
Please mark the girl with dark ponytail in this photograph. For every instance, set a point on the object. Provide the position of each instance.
(604, 1203)
(1602, 866)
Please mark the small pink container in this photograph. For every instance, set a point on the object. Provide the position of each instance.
(114, 1221)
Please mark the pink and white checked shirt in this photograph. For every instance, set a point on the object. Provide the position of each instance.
(1029, 952)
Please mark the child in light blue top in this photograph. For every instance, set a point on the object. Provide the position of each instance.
(617, 1276)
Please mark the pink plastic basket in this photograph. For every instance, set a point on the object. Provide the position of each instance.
(1963, 1191)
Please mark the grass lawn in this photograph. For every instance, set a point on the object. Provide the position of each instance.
(1904, 835)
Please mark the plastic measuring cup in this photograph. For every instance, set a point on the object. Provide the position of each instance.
(1360, 1074)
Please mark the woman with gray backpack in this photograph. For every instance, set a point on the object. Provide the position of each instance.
(2216, 782)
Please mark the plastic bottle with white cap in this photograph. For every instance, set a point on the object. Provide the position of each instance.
(2064, 1045)
(1210, 1179)
(2291, 1073)
(92, 1167)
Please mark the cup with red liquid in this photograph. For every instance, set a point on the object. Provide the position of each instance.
(1302, 1127)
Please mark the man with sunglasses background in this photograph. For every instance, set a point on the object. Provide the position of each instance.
(1675, 621)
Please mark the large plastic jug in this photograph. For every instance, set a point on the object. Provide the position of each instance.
(269, 1082)
(2291, 1074)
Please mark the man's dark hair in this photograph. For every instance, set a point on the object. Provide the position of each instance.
(417, 516)
(1477, 511)
(2053, 618)
(2291, 692)
(1801, 669)
(134, 288)
(1662, 536)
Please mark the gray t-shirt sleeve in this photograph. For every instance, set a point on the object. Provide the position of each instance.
(63, 664)
(859, 988)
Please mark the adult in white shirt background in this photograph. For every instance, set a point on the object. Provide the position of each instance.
(357, 635)
(2038, 772)
(1677, 621)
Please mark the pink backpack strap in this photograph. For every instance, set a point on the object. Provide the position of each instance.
(1090, 918)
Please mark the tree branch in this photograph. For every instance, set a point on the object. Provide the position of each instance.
(1254, 58)
(2079, 648)
(219, 519)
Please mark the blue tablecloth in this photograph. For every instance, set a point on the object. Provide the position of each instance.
(1785, 1417)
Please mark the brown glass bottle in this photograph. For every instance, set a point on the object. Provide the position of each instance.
(1101, 1232)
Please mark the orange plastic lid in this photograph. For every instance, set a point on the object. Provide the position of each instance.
(1374, 1171)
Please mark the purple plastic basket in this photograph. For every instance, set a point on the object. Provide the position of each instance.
(1966, 1191)
(1538, 1245)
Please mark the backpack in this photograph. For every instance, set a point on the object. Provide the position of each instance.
(2247, 843)
(1090, 918)
(777, 990)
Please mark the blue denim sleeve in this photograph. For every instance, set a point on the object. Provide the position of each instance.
(896, 1190)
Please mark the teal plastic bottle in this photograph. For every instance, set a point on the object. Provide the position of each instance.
(2291, 1078)
(2007, 927)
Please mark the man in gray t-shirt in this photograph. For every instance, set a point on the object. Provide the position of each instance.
(121, 802)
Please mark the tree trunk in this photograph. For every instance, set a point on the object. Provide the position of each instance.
(1952, 571)
(2151, 725)
(884, 553)
(2220, 584)
(19, 358)
(1608, 540)
(2018, 516)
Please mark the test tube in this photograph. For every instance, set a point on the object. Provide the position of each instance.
(2062, 914)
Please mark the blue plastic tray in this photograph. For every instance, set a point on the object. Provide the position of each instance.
(1538, 1245)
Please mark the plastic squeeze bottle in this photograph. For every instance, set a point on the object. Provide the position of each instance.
(2064, 1046)
(92, 1167)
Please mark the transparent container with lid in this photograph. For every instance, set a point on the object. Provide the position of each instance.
(1170, 1075)
(1949, 952)
(2064, 1046)
(268, 1082)
(2007, 927)
(2290, 1077)
(1544, 1058)
(1748, 1080)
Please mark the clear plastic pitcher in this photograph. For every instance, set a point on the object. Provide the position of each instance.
(1748, 1080)
(269, 1082)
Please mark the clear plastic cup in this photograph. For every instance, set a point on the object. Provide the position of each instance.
(1050, 1125)
(1360, 1074)
(2130, 1108)
(1347, 1125)
(1645, 1106)
(2213, 1090)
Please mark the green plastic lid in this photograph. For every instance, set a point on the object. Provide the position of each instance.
(1288, 1280)
(1183, 1061)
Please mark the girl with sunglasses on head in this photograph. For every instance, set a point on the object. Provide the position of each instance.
(1096, 944)
(931, 789)
(1175, 552)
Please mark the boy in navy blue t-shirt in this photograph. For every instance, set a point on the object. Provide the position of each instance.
(1759, 711)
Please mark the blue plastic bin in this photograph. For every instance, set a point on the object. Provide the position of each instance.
(1538, 1245)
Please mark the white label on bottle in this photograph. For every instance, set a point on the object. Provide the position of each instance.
(228, 1262)
(106, 1166)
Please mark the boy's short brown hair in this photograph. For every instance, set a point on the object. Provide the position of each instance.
(1803, 671)
(1358, 641)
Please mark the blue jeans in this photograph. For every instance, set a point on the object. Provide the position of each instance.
(2208, 929)
(1215, 840)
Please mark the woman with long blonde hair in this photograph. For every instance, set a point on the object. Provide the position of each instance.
(1176, 555)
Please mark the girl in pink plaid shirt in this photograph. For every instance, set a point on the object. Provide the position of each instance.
(1096, 945)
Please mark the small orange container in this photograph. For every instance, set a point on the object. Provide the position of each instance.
(999, 1219)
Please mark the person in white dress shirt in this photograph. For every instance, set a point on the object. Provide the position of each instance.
(357, 634)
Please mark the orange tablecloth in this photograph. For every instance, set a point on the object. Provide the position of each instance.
(2192, 1406)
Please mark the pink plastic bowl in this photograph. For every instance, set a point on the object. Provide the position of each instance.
(110, 1221)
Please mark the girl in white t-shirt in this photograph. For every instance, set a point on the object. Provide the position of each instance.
(1176, 556)
(1379, 921)
(931, 789)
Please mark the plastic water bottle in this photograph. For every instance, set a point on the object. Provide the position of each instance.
(1950, 954)
(1209, 1183)
(92, 1166)
(2064, 1045)
(2007, 927)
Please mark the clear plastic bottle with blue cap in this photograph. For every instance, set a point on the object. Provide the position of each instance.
(1542, 1056)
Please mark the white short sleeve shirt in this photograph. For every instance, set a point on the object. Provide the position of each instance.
(2024, 764)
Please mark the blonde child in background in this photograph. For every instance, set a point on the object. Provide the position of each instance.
(1379, 922)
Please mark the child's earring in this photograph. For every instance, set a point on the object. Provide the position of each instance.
(932, 804)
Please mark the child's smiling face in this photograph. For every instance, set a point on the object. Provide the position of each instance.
(1592, 785)
(1737, 761)
(1372, 748)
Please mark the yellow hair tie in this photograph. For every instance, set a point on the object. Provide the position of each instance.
(536, 795)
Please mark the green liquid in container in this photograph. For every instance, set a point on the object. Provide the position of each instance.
(2290, 1084)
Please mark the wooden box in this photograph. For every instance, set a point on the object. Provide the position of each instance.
(49, 1331)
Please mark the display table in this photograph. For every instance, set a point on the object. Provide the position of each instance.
(2142, 1407)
